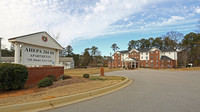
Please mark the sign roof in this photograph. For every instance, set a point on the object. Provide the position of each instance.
(39, 39)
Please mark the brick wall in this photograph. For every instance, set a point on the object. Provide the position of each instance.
(35, 74)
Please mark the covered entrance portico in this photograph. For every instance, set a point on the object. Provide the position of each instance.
(130, 63)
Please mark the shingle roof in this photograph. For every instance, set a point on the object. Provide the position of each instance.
(165, 58)
(124, 51)
(167, 50)
(144, 50)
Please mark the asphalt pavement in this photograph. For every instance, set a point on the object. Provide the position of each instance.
(151, 91)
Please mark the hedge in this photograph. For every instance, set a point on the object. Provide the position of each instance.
(12, 76)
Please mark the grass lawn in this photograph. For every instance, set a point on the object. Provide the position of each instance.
(186, 69)
(91, 71)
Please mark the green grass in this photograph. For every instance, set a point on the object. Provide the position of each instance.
(104, 78)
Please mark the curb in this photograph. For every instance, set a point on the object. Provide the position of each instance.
(65, 100)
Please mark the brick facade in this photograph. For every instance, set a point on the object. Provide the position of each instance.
(146, 58)
(35, 74)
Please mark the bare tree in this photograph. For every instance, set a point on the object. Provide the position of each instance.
(172, 39)
(56, 36)
(183, 56)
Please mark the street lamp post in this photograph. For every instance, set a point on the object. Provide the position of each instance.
(174, 57)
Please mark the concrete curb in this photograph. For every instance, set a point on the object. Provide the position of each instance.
(65, 100)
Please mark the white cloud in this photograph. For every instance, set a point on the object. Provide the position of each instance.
(74, 21)
(170, 21)
(197, 10)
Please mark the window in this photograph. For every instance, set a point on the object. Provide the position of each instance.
(147, 58)
(146, 61)
(141, 53)
(151, 57)
(156, 52)
(141, 57)
(118, 57)
(162, 65)
(119, 62)
(169, 52)
(156, 65)
(168, 60)
(168, 66)
(156, 61)
(132, 53)
(151, 65)
(146, 65)
(146, 53)
(156, 57)
(151, 61)
(151, 52)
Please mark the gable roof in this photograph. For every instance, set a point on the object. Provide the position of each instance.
(168, 50)
(124, 51)
(144, 50)
(36, 39)
(165, 58)
(134, 50)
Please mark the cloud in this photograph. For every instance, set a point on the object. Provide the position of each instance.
(75, 20)
(197, 10)
(172, 20)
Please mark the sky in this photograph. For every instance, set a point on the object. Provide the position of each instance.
(86, 23)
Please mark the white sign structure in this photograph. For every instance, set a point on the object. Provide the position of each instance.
(35, 55)
(36, 49)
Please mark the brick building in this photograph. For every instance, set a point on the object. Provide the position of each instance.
(145, 58)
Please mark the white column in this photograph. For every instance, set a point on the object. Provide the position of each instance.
(57, 57)
(17, 53)
(122, 64)
(131, 65)
(135, 64)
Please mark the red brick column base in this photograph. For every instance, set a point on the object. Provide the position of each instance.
(35, 74)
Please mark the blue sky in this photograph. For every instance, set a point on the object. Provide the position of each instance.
(100, 23)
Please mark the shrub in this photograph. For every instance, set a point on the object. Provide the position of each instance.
(52, 77)
(12, 76)
(67, 77)
(45, 82)
(86, 75)
(63, 77)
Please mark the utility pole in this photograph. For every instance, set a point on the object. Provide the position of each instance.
(0, 49)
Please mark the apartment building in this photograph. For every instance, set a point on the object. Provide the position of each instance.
(144, 58)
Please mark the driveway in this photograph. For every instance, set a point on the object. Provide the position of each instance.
(151, 91)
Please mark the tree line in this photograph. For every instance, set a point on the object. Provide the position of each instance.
(89, 57)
